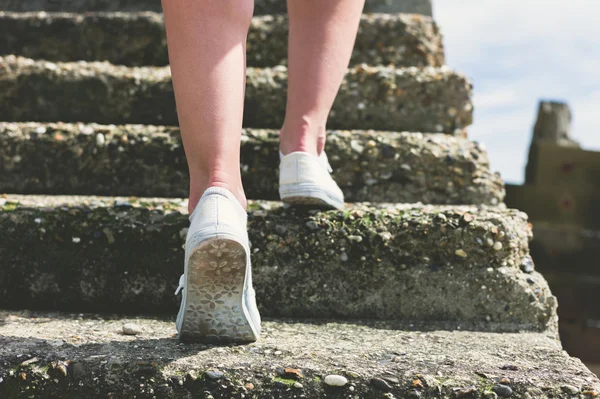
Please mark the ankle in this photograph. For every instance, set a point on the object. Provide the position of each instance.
(304, 136)
(199, 186)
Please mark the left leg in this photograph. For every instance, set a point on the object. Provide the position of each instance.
(322, 35)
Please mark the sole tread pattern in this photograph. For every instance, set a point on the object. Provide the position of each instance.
(214, 300)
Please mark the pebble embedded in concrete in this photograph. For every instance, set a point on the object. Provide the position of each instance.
(334, 380)
(497, 246)
(570, 389)
(504, 391)
(132, 329)
(215, 374)
(381, 384)
(461, 253)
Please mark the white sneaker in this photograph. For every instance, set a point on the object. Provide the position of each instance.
(305, 180)
(218, 303)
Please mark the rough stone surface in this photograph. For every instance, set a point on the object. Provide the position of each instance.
(383, 98)
(139, 39)
(95, 360)
(260, 7)
(150, 161)
(118, 253)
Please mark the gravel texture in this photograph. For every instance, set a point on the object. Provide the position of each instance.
(59, 355)
(260, 6)
(149, 161)
(384, 262)
(139, 39)
(383, 98)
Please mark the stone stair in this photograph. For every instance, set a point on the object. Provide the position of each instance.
(147, 161)
(427, 291)
(138, 38)
(380, 97)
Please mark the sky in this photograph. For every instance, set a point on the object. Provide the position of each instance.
(517, 52)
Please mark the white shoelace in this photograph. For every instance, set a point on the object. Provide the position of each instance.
(181, 284)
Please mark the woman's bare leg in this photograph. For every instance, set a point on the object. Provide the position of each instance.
(207, 52)
(322, 35)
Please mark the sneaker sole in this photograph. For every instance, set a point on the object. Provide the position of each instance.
(214, 308)
(309, 197)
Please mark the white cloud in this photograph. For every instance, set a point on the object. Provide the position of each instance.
(516, 52)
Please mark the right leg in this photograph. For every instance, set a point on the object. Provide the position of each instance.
(207, 53)
(207, 50)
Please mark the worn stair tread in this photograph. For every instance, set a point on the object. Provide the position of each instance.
(138, 39)
(261, 7)
(41, 158)
(386, 261)
(383, 98)
(50, 355)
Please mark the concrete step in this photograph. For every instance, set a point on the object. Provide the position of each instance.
(40, 158)
(261, 7)
(64, 355)
(382, 98)
(138, 39)
(403, 262)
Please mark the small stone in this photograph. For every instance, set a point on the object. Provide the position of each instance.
(293, 373)
(490, 395)
(298, 385)
(511, 367)
(465, 392)
(132, 329)
(355, 238)
(61, 369)
(100, 140)
(590, 393)
(249, 386)
(467, 218)
(280, 384)
(215, 374)
(344, 256)
(391, 380)
(570, 389)
(414, 394)
(531, 280)
(280, 229)
(497, 246)
(381, 384)
(441, 218)
(86, 130)
(312, 225)
(76, 240)
(503, 391)
(335, 380)
(489, 242)
(527, 265)
(461, 253)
